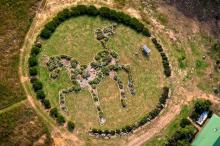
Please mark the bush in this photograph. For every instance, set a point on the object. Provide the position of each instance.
(35, 50)
(70, 126)
(40, 94)
(45, 33)
(199, 107)
(32, 61)
(33, 79)
(60, 119)
(33, 71)
(184, 122)
(146, 32)
(54, 112)
(63, 15)
(92, 11)
(46, 103)
(37, 85)
(104, 12)
(105, 71)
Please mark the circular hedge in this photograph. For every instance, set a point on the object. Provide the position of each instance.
(112, 15)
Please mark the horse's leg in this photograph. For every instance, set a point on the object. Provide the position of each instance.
(121, 87)
(62, 102)
(96, 100)
(130, 80)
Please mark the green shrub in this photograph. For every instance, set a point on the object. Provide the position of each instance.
(35, 50)
(60, 119)
(70, 126)
(199, 107)
(54, 112)
(105, 70)
(45, 33)
(40, 94)
(37, 85)
(33, 71)
(46, 103)
(32, 61)
(92, 11)
(146, 32)
(63, 15)
(184, 122)
(104, 12)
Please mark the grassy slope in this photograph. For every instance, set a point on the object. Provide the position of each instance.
(21, 126)
(15, 19)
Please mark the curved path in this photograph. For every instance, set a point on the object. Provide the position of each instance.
(49, 9)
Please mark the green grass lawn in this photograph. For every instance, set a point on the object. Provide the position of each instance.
(76, 38)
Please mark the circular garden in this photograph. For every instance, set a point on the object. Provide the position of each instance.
(88, 69)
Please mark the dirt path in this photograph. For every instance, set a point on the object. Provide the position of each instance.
(157, 125)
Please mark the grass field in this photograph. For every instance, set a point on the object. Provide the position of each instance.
(76, 38)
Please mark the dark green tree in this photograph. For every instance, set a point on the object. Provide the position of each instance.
(70, 126)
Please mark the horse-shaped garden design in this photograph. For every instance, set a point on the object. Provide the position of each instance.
(105, 63)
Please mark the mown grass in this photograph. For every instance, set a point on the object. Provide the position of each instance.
(76, 38)
(21, 126)
(15, 19)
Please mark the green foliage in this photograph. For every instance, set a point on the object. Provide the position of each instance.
(33, 71)
(35, 50)
(54, 112)
(200, 64)
(202, 105)
(92, 10)
(37, 85)
(32, 61)
(46, 103)
(45, 33)
(184, 122)
(104, 12)
(167, 69)
(105, 71)
(60, 119)
(70, 126)
(199, 107)
(182, 136)
(40, 94)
